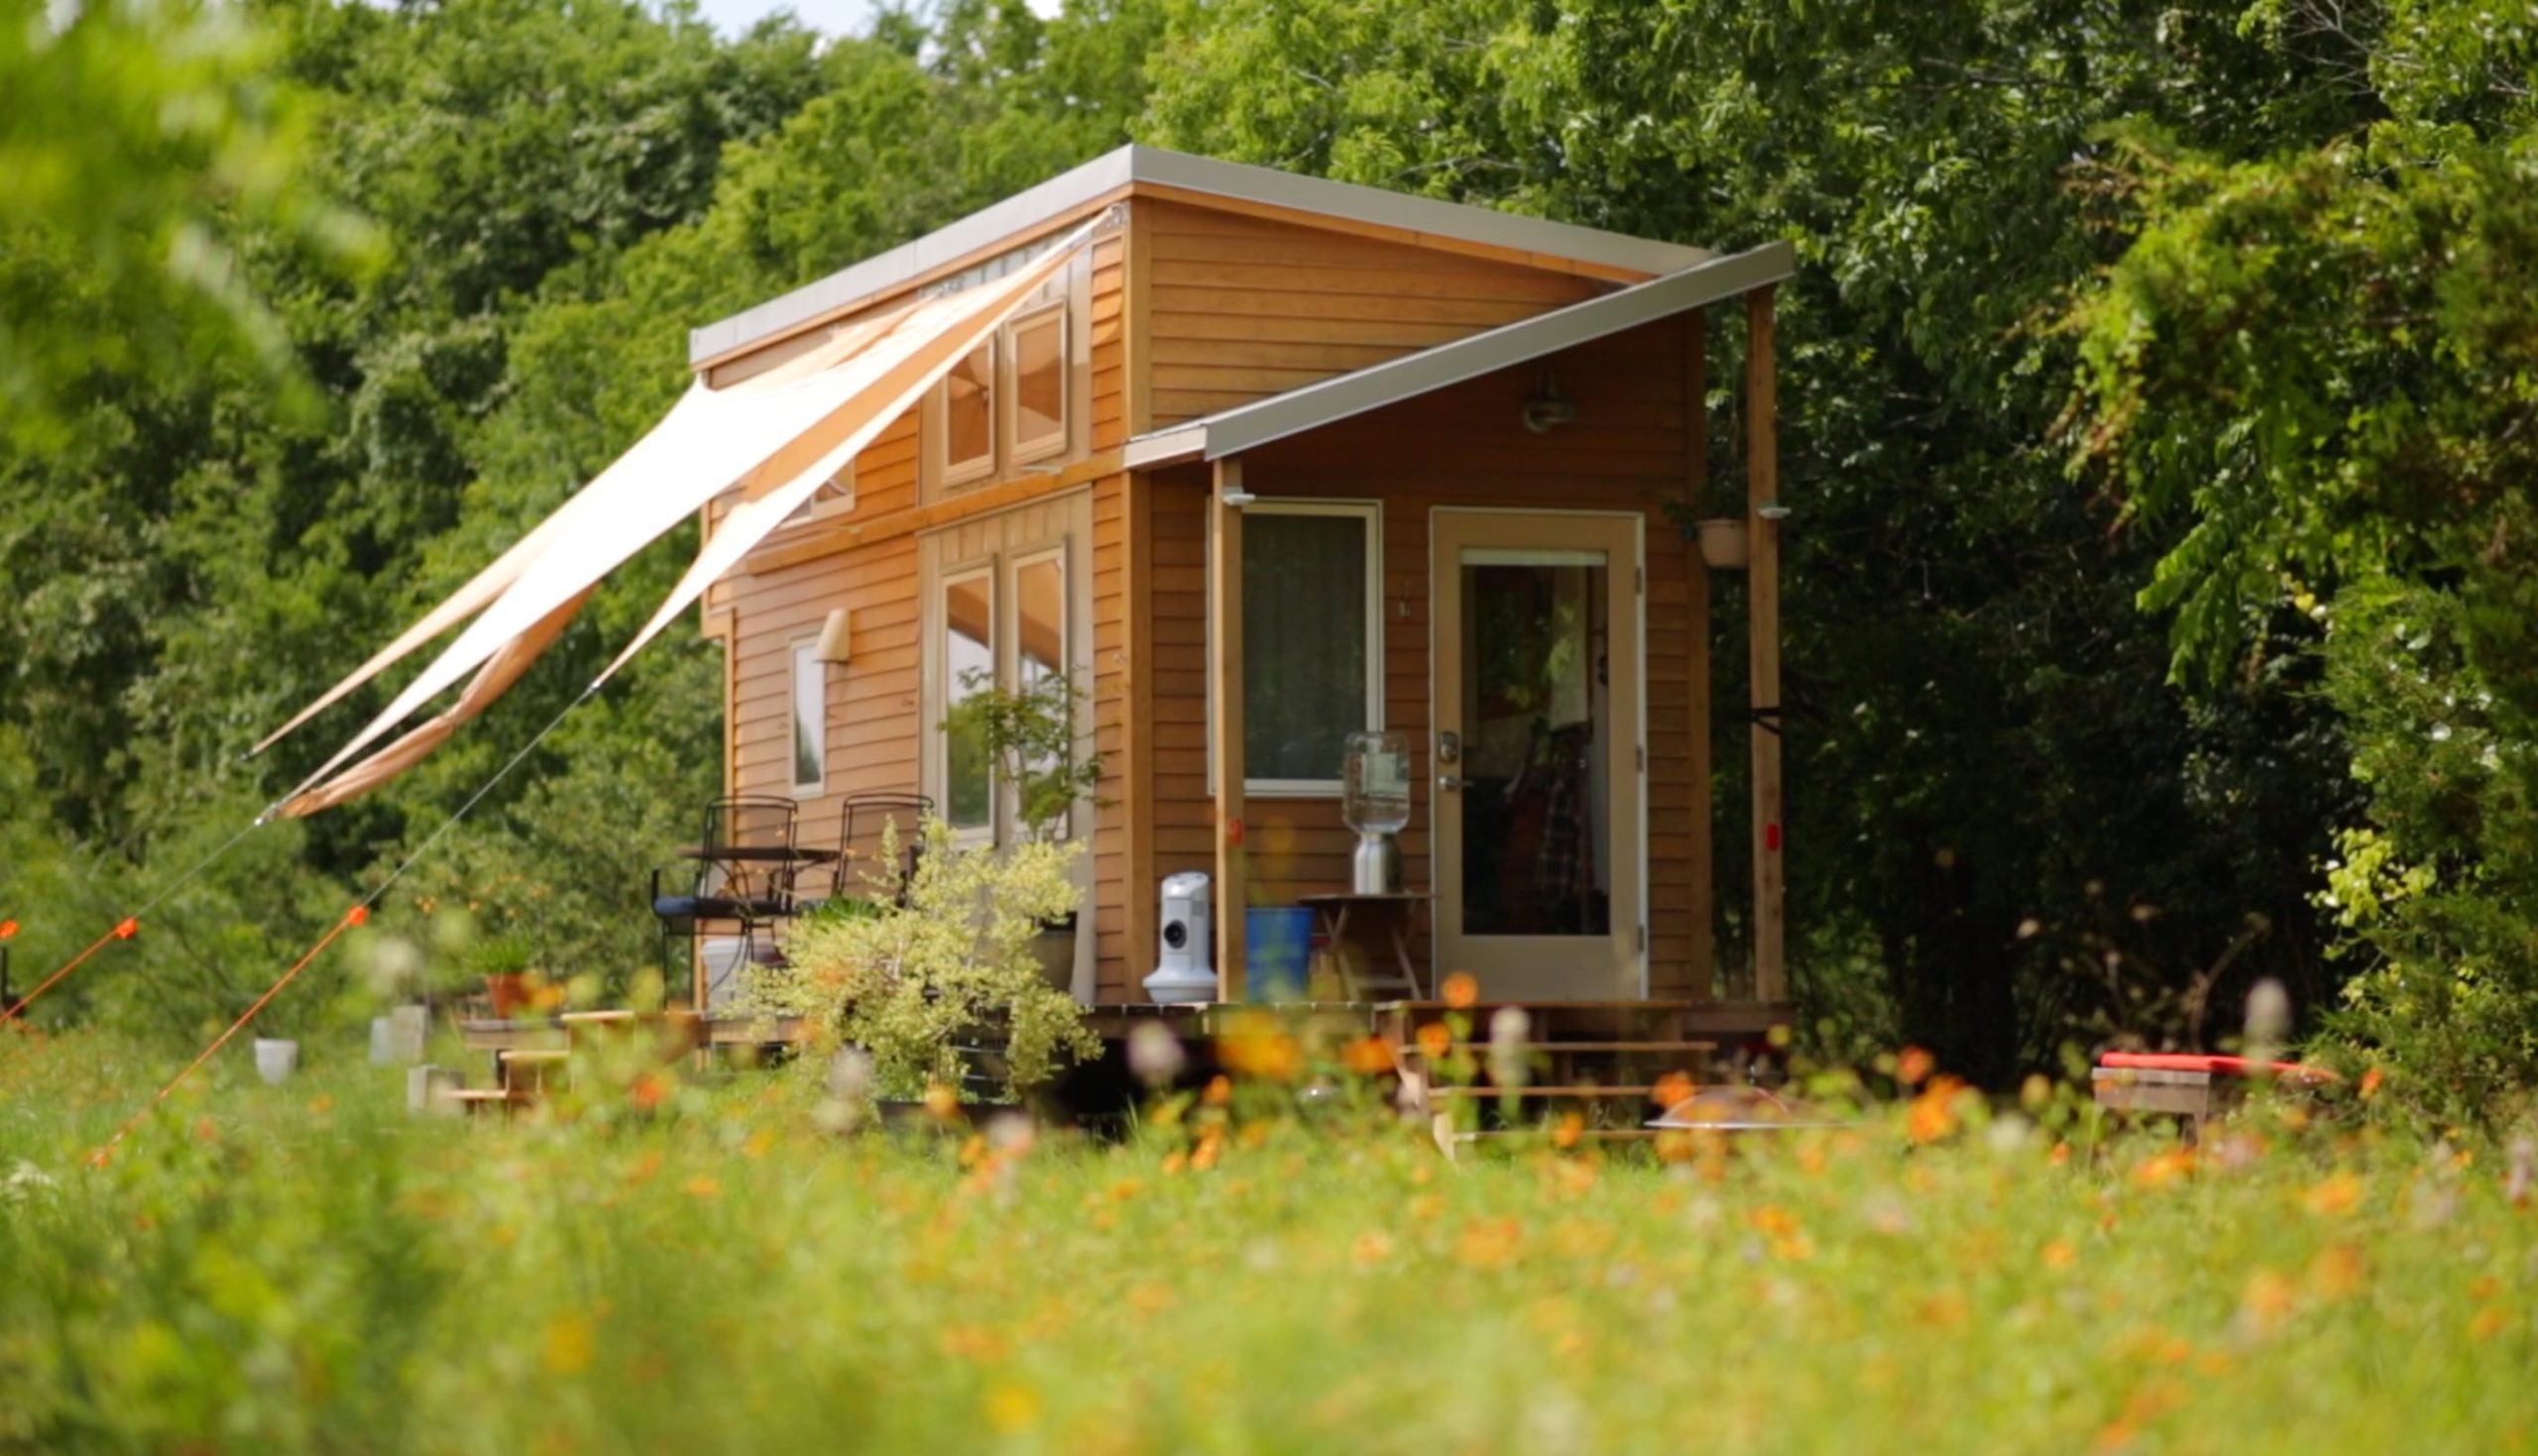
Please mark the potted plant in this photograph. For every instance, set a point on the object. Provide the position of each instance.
(1028, 734)
(505, 961)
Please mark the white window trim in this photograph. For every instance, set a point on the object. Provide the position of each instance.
(793, 664)
(983, 466)
(1019, 451)
(980, 569)
(1371, 513)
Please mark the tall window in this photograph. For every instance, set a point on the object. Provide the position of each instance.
(810, 718)
(969, 416)
(1039, 394)
(1312, 656)
(1040, 635)
(968, 665)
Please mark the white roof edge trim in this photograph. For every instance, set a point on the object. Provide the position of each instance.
(1248, 426)
(1018, 214)
(1165, 447)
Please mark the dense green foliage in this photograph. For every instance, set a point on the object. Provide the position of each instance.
(309, 1269)
(2261, 266)
(2325, 362)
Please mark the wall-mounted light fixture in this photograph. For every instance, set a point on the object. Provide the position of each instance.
(1548, 406)
(1771, 509)
(1236, 496)
(837, 637)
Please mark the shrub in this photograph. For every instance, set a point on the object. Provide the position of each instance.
(944, 953)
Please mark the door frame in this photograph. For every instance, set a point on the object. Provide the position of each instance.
(1638, 599)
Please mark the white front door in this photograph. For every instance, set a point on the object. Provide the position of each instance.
(1538, 757)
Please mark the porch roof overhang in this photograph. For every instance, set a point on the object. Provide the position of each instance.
(1246, 426)
(1036, 211)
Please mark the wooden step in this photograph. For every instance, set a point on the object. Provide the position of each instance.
(480, 1099)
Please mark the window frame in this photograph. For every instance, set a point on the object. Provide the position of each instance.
(1371, 513)
(1011, 565)
(818, 507)
(978, 569)
(948, 474)
(799, 651)
(1017, 450)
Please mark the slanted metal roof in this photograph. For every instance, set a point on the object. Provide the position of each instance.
(1052, 202)
(1231, 431)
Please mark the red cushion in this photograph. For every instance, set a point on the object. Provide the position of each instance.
(2215, 1065)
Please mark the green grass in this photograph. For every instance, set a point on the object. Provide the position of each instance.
(309, 1269)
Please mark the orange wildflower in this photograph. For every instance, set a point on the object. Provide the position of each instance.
(1462, 990)
(1219, 1091)
(647, 1091)
(1489, 1243)
(2370, 1081)
(2337, 1271)
(2060, 1254)
(2489, 1322)
(2337, 1194)
(1435, 1040)
(1934, 1112)
(1258, 1046)
(1673, 1087)
(2268, 1299)
(1913, 1065)
(1368, 1056)
(2163, 1169)
(703, 1186)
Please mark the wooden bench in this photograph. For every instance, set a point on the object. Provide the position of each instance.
(2193, 1088)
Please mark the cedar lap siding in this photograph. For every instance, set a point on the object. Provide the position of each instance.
(1187, 305)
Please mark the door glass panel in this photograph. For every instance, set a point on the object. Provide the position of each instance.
(1536, 713)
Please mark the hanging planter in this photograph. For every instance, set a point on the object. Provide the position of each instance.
(1723, 543)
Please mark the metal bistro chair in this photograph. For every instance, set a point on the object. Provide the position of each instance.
(861, 821)
(740, 872)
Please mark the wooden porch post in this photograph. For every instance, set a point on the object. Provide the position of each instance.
(1224, 618)
(1763, 584)
(1699, 906)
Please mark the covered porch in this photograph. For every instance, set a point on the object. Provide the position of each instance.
(1534, 614)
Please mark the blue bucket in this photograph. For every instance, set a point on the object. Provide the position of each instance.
(1277, 941)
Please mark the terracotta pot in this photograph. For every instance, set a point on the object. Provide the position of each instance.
(508, 990)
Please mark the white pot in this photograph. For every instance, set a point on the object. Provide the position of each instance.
(276, 1060)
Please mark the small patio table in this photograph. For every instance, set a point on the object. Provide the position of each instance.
(1395, 912)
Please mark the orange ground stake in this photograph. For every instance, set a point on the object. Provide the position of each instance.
(123, 930)
(352, 916)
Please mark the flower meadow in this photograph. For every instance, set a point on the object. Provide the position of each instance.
(710, 1265)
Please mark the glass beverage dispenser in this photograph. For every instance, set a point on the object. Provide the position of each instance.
(1375, 801)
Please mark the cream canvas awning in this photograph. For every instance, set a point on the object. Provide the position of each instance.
(775, 437)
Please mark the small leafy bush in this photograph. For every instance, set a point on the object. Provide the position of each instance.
(936, 957)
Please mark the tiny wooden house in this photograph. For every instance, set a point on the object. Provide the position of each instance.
(1271, 461)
